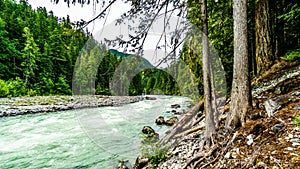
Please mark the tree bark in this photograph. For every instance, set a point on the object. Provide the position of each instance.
(264, 53)
(207, 81)
(240, 95)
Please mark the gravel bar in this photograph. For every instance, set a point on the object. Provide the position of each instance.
(42, 104)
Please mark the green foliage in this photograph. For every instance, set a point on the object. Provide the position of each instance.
(8, 53)
(152, 150)
(220, 25)
(105, 72)
(31, 92)
(37, 50)
(292, 55)
(297, 120)
(30, 54)
(4, 91)
(45, 86)
(154, 80)
(40, 50)
(292, 18)
(61, 87)
(17, 87)
(12, 88)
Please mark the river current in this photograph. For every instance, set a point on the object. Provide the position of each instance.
(83, 138)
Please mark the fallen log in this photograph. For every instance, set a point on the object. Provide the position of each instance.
(195, 129)
(290, 77)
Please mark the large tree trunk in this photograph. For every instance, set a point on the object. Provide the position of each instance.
(264, 53)
(209, 117)
(240, 95)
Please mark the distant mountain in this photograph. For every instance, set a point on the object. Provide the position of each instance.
(119, 54)
(145, 64)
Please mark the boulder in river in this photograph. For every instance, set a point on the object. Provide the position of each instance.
(150, 98)
(148, 130)
(160, 120)
(140, 162)
(180, 112)
(151, 135)
(171, 121)
(175, 106)
(124, 164)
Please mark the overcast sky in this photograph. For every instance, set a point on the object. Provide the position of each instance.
(77, 12)
(110, 31)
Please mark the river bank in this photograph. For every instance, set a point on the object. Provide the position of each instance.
(269, 139)
(42, 104)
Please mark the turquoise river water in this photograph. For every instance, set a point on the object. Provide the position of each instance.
(83, 138)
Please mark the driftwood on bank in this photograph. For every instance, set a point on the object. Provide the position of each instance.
(291, 77)
(192, 130)
(183, 125)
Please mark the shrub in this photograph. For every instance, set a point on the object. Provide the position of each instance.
(292, 55)
(297, 120)
(16, 87)
(4, 91)
(152, 150)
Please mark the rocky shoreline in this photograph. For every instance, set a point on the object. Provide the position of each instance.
(43, 104)
(270, 138)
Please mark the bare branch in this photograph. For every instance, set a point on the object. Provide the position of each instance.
(100, 15)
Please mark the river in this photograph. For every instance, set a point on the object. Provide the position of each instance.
(83, 138)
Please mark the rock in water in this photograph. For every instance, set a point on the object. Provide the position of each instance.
(140, 162)
(171, 121)
(124, 164)
(160, 120)
(180, 112)
(148, 130)
(175, 106)
(150, 98)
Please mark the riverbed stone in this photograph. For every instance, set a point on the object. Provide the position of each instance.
(180, 112)
(160, 120)
(175, 106)
(42, 104)
(124, 164)
(171, 121)
(150, 98)
(148, 130)
(140, 162)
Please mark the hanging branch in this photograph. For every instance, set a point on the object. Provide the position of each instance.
(84, 24)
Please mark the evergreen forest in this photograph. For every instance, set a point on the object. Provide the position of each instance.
(38, 51)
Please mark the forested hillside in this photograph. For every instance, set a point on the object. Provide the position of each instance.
(37, 52)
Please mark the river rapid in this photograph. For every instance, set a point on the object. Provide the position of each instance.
(82, 138)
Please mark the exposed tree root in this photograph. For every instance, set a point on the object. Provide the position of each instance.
(198, 158)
